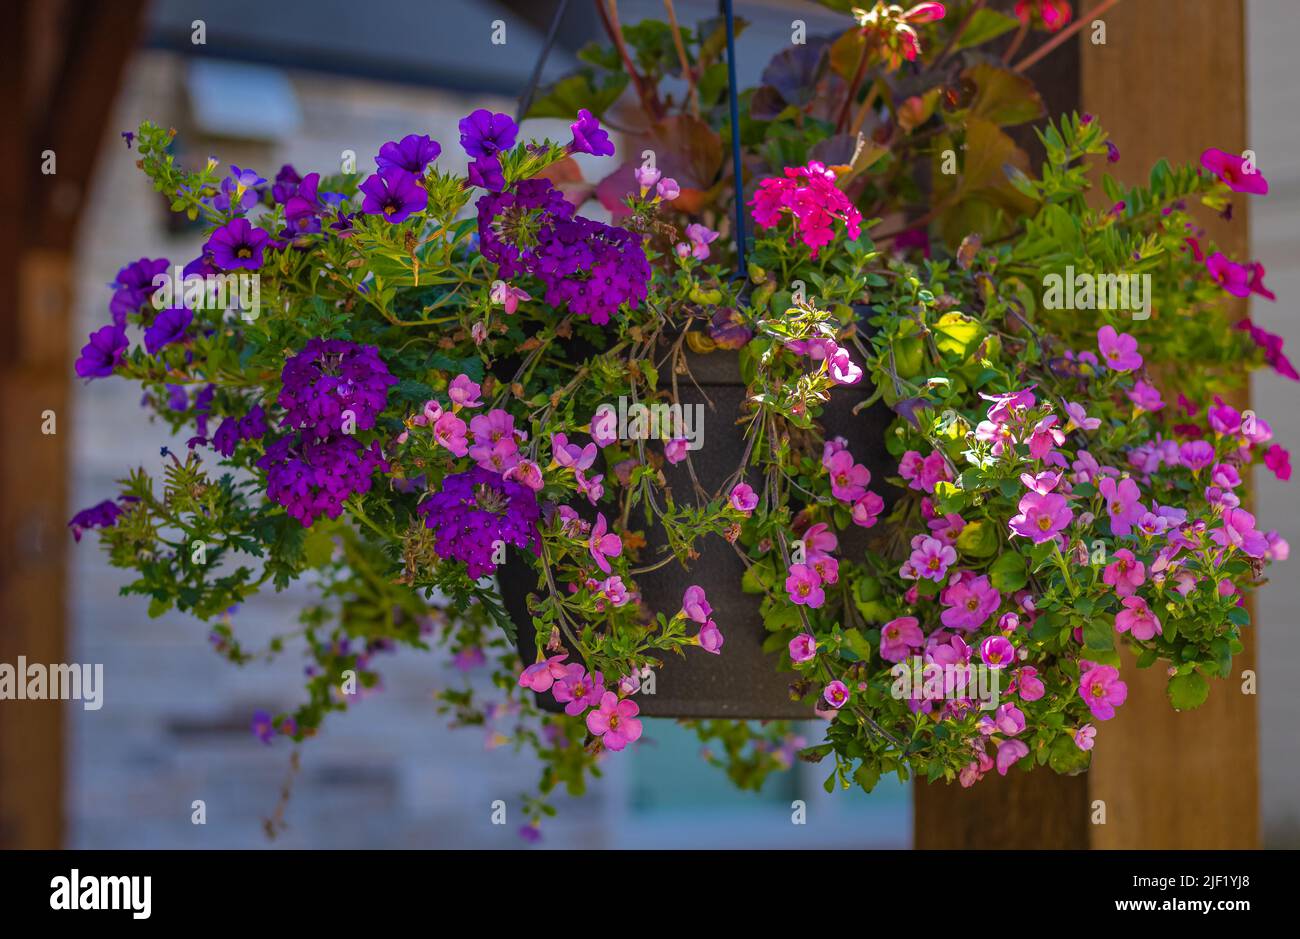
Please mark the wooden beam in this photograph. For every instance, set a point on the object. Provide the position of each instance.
(1168, 82)
(60, 68)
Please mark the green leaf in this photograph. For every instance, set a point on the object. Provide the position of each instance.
(857, 644)
(569, 95)
(957, 334)
(978, 539)
(985, 25)
(1099, 634)
(1003, 97)
(1008, 572)
(1187, 691)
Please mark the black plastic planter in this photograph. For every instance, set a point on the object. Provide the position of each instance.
(742, 682)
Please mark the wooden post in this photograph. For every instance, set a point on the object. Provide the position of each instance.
(60, 70)
(1168, 82)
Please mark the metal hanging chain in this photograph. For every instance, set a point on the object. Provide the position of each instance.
(733, 101)
(526, 99)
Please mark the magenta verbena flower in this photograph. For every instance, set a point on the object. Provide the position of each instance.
(311, 478)
(808, 194)
(329, 377)
(474, 511)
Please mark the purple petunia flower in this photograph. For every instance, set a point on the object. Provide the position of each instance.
(393, 193)
(133, 285)
(485, 134)
(103, 352)
(589, 136)
(237, 244)
(486, 174)
(103, 515)
(168, 326)
(413, 153)
(263, 727)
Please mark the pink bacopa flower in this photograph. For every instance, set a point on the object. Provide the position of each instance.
(577, 689)
(675, 450)
(1146, 396)
(803, 647)
(695, 605)
(710, 637)
(1101, 689)
(604, 426)
(827, 568)
(997, 652)
(614, 722)
(1044, 437)
(1196, 454)
(464, 392)
(1137, 618)
(809, 195)
(1126, 573)
(868, 507)
(570, 455)
(931, 558)
(667, 189)
(1078, 417)
(614, 590)
(1232, 277)
(646, 177)
(819, 539)
(1225, 475)
(1278, 459)
(841, 367)
(528, 473)
(970, 604)
(1042, 483)
(1010, 750)
(603, 545)
(1123, 504)
(1007, 719)
(1223, 418)
(1041, 517)
(593, 487)
(836, 694)
(507, 296)
(1118, 349)
(541, 675)
(700, 237)
(449, 432)
(1028, 685)
(1239, 532)
(923, 474)
(849, 480)
(1085, 736)
(1234, 170)
(804, 586)
(743, 498)
(899, 637)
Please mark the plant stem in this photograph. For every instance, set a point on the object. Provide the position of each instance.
(687, 73)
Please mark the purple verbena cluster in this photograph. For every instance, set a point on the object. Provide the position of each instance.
(313, 470)
(311, 478)
(329, 377)
(587, 266)
(476, 509)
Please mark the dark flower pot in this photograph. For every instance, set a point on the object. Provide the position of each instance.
(742, 681)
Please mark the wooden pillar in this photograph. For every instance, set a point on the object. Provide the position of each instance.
(1168, 82)
(60, 69)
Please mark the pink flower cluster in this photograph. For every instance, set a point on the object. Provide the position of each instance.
(810, 196)
(695, 606)
(614, 720)
(839, 364)
(849, 481)
(805, 580)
